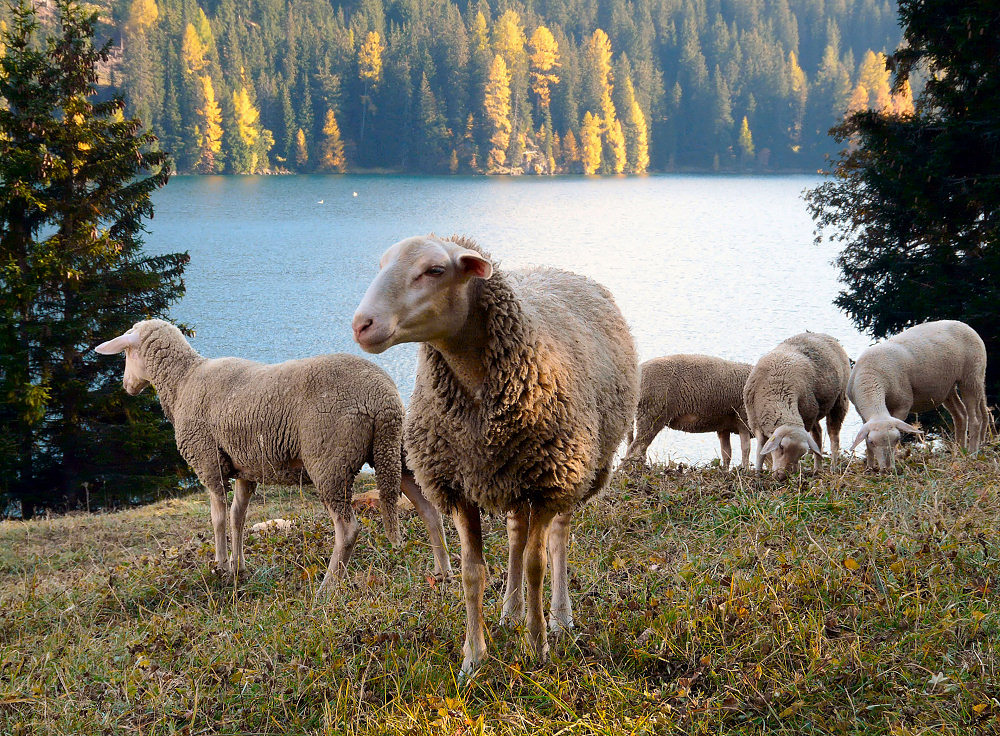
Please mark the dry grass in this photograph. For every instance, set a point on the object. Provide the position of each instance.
(705, 603)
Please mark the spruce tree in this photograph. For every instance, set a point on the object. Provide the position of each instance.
(75, 185)
(915, 198)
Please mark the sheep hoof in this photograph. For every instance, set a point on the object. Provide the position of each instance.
(560, 625)
(469, 669)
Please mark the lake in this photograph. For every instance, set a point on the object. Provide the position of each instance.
(723, 265)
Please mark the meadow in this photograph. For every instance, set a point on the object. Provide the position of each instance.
(705, 603)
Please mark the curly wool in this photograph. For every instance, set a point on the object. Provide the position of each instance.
(797, 383)
(315, 420)
(559, 393)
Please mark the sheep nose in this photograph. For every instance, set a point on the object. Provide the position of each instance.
(360, 324)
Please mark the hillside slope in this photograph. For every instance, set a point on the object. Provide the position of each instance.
(706, 603)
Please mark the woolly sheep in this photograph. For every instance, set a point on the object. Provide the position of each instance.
(789, 391)
(313, 420)
(526, 384)
(691, 393)
(922, 368)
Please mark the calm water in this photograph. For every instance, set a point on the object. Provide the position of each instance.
(700, 264)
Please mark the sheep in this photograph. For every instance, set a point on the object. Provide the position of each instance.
(691, 393)
(789, 391)
(313, 420)
(934, 364)
(526, 383)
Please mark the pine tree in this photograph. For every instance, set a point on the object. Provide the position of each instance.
(498, 114)
(331, 157)
(76, 179)
(590, 143)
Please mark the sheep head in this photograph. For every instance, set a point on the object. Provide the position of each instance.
(136, 376)
(421, 294)
(881, 437)
(787, 446)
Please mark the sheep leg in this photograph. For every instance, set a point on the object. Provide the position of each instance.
(745, 439)
(242, 492)
(561, 609)
(513, 597)
(470, 534)
(432, 520)
(217, 492)
(646, 431)
(759, 436)
(727, 449)
(959, 416)
(817, 434)
(974, 413)
(534, 569)
(345, 526)
(834, 421)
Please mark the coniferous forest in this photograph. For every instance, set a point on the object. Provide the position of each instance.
(561, 86)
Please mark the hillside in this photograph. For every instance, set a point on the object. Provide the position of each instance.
(315, 85)
(706, 603)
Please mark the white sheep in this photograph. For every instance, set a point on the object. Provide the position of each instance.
(691, 393)
(789, 391)
(526, 384)
(934, 364)
(313, 420)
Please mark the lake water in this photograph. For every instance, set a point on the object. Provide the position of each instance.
(722, 265)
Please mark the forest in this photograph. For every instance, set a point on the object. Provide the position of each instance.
(553, 86)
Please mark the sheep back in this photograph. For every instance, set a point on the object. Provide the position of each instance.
(560, 391)
(797, 383)
(693, 393)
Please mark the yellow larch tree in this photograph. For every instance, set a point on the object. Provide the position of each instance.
(570, 150)
(800, 91)
(590, 143)
(331, 157)
(745, 141)
(874, 77)
(301, 150)
(859, 100)
(141, 15)
(616, 146)
(249, 147)
(636, 133)
(543, 59)
(497, 109)
(192, 51)
(208, 128)
(902, 101)
(370, 72)
(597, 51)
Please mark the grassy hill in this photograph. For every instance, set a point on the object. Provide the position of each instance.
(705, 603)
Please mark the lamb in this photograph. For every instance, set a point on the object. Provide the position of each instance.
(934, 364)
(789, 391)
(526, 383)
(313, 420)
(691, 393)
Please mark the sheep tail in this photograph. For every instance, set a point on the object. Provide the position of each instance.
(386, 449)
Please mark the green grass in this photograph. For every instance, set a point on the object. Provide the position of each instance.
(704, 602)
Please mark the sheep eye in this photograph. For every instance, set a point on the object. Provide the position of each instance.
(434, 271)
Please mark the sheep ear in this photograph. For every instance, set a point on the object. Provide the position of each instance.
(862, 436)
(812, 444)
(770, 446)
(904, 427)
(473, 265)
(119, 344)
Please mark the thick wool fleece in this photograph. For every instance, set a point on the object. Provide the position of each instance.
(801, 381)
(560, 391)
(313, 420)
(918, 369)
(691, 393)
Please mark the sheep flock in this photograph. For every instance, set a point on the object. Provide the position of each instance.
(527, 385)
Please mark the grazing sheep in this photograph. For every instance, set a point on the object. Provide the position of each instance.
(789, 391)
(314, 420)
(526, 384)
(691, 393)
(934, 364)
